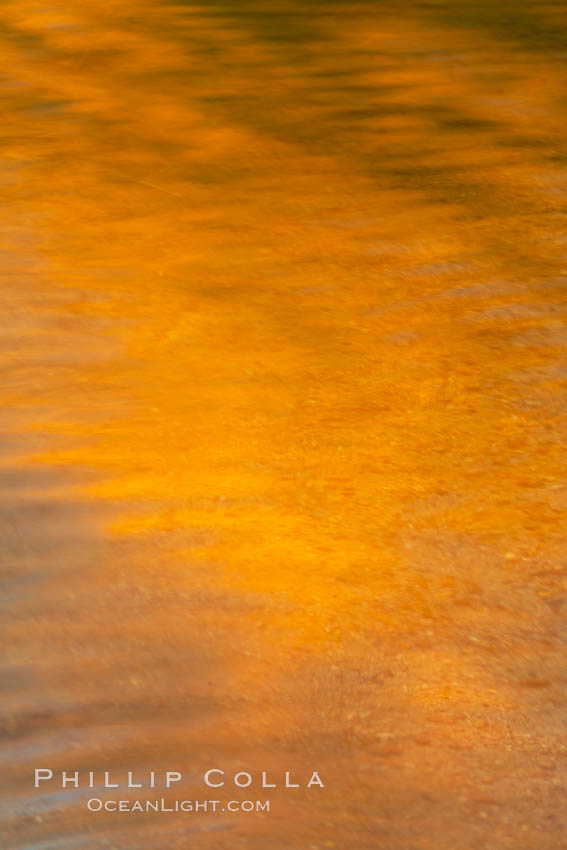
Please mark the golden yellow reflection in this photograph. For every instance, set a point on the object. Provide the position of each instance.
(299, 329)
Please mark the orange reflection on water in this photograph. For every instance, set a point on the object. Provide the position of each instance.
(299, 323)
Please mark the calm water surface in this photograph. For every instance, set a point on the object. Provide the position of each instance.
(283, 386)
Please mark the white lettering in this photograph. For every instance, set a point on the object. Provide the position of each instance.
(38, 778)
(265, 783)
(131, 783)
(214, 784)
(72, 779)
(315, 780)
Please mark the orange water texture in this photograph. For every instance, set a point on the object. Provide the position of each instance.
(283, 437)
